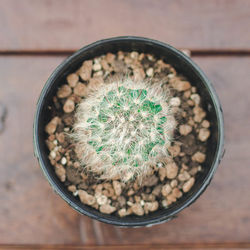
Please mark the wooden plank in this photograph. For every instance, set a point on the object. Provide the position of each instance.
(59, 25)
(31, 213)
(131, 247)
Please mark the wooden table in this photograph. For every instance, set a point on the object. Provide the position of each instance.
(35, 36)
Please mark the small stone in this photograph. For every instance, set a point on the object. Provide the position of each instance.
(119, 66)
(164, 203)
(199, 157)
(137, 198)
(185, 129)
(193, 89)
(190, 102)
(171, 198)
(64, 91)
(121, 200)
(105, 65)
(150, 57)
(175, 101)
(52, 125)
(162, 173)
(69, 106)
(174, 150)
(130, 192)
(177, 193)
(157, 190)
(134, 54)
(60, 172)
(141, 56)
(172, 170)
(53, 154)
(107, 209)
(180, 85)
(76, 164)
(66, 129)
(173, 183)
(117, 187)
(72, 80)
(63, 161)
(52, 137)
(97, 67)
(151, 206)
(80, 89)
(188, 185)
(150, 181)
(101, 199)
(94, 83)
(199, 114)
(122, 212)
(166, 189)
(137, 209)
(72, 188)
(203, 134)
(184, 176)
(60, 137)
(205, 124)
(86, 70)
(187, 94)
(110, 58)
(86, 198)
(191, 122)
(194, 170)
(98, 189)
(196, 98)
(150, 72)
(139, 74)
(50, 145)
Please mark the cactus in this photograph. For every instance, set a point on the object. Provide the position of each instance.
(123, 129)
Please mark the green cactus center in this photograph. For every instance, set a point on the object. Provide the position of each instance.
(126, 127)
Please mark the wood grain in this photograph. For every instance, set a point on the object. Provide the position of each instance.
(31, 213)
(65, 25)
(188, 246)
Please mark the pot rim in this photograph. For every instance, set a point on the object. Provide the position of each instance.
(114, 220)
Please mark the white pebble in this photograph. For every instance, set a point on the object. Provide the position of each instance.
(150, 72)
(196, 98)
(75, 193)
(55, 142)
(97, 67)
(203, 134)
(63, 161)
(53, 154)
(102, 199)
(175, 101)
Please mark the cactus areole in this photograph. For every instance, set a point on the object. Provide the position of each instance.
(123, 128)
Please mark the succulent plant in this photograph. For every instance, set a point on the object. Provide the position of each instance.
(123, 129)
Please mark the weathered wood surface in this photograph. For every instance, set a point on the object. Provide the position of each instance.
(130, 247)
(65, 25)
(31, 213)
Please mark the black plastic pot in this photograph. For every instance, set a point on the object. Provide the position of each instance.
(184, 65)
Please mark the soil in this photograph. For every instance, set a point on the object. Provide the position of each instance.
(169, 181)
